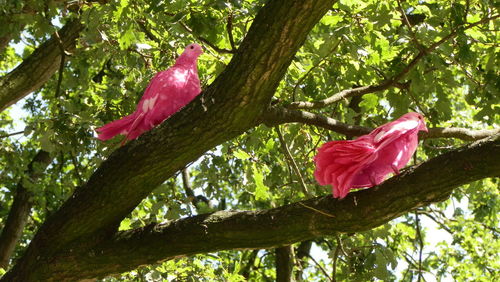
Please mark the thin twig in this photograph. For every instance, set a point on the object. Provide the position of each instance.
(438, 147)
(420, 47)
(417, 103)
(204, 40)
(442, 225)
(317, 64)
(335, 258)
(316, 210)
(293, 164)
(421, 246)
(149, 34)
(339, 242)
(315, 146)
(320, 267)
(61, 66)
(189, 190)
(11, 134)
(76, 169)
(229, 28)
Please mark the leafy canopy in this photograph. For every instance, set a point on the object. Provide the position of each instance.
(357, 43)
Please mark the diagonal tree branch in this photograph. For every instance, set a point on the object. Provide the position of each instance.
(227, 108)
(20, 209)
(386, 84)
(429, 182)
(35, 70)
(279, 115)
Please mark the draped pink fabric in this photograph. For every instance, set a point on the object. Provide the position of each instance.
(367, 160)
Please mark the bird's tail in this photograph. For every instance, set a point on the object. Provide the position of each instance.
(337, 162)
(120, 126)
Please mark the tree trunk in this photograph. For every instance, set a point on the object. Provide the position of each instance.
(284, 264)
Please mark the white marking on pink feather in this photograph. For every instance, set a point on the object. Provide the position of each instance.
(400, 126)
(407, 124)
(398, 157)
(379, 136)
(145, 105)
(180, 75)
(149, 103)
(153, 101)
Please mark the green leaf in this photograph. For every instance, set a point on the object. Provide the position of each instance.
(261, 190)
(381, 268)
(45, 141)
(370, 101)
(242, 155)
(125, 224)
(128, 38)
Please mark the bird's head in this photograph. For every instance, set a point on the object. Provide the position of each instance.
(193, 50)
(419, 118)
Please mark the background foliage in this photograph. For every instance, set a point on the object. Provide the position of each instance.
(357, 43)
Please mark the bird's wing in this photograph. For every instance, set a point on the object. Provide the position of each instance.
(161, 97)
(337, 162)
(157, 85)
(389, 132)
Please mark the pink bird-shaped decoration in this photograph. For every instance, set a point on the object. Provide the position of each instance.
(168, 92)
(366, 161)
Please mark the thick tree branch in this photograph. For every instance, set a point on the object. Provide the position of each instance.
(35, 70)
(279, 115)
(429, 182)
(227, 108)
(20, 209)
(386, 84)
(459, 133)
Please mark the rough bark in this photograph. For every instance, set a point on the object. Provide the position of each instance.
(429, 182)
(35, 70)
(4, 41)
(284, 264)
(226, 109)
(20, 209)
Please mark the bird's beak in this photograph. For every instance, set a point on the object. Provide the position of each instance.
(424, 128)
